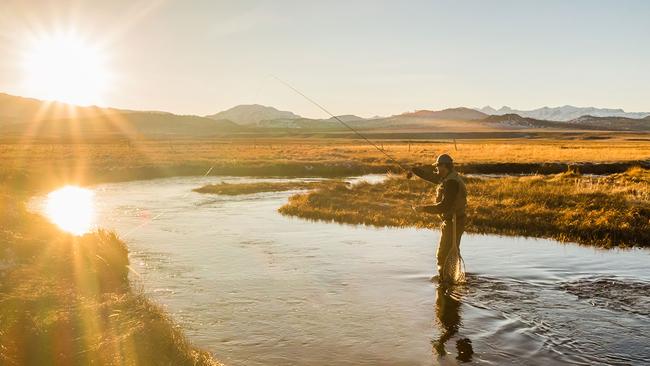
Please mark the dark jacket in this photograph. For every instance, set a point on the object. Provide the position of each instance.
(451, 196)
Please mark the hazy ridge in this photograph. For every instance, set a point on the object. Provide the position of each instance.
(36, 118)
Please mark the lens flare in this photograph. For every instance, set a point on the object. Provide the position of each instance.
(72, 209)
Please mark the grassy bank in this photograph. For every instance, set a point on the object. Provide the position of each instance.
(230, 189)
(603, 211)
(66, 300)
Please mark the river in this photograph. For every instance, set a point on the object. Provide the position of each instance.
(257, 288)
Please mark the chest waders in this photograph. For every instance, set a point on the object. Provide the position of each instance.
(452, 266)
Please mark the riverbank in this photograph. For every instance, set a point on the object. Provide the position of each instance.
(67, 300)
(608, 211)
(229, 189)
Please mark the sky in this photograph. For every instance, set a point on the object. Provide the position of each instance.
(354, 57)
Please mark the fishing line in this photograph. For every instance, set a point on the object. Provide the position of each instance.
(343, 123)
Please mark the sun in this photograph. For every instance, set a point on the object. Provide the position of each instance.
(66, 68)
(72, 209)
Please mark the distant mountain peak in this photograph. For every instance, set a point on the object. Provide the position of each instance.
(347, 118)
(459, 113)
(487, 110)
(252, 114)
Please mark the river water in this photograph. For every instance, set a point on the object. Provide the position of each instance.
(257, 288)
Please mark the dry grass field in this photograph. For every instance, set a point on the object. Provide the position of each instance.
(48, 164)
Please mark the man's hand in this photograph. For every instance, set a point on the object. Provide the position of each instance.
(411, 172)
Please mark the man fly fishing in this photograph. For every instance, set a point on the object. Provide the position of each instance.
(451, 202)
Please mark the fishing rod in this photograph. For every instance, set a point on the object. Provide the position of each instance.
(406, 170)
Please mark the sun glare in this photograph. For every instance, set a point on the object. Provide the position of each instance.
(63, 67)
(72, 209)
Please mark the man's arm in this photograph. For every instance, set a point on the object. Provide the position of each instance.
(449, 193)
(427, 174)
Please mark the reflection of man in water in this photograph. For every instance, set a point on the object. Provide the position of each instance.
(448, 315)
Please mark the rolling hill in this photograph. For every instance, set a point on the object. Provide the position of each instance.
(614, 123)
(515, 121)
(127, 124)
(36, 118)
(15, 109)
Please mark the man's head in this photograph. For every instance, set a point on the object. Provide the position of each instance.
(445, 164)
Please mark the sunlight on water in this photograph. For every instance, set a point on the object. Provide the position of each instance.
(71, 208)
(258, 288)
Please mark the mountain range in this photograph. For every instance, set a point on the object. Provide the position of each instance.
(32, 117)
(450, 119)
(564, 113)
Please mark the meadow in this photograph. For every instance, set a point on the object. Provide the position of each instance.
(46, 164)
(67, 300)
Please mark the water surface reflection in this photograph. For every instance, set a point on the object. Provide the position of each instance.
(448, 315)
(258, 288)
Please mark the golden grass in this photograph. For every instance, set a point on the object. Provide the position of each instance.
(314, 150)
(230, 189)
(57, 163)
(66, 300)
(605, 211)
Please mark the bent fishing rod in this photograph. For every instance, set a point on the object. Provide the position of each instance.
(406, 170)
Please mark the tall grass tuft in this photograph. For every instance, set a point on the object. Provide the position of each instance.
(66, 300)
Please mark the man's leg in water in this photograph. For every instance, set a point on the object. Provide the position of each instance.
(446, 239)
(460, 229)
